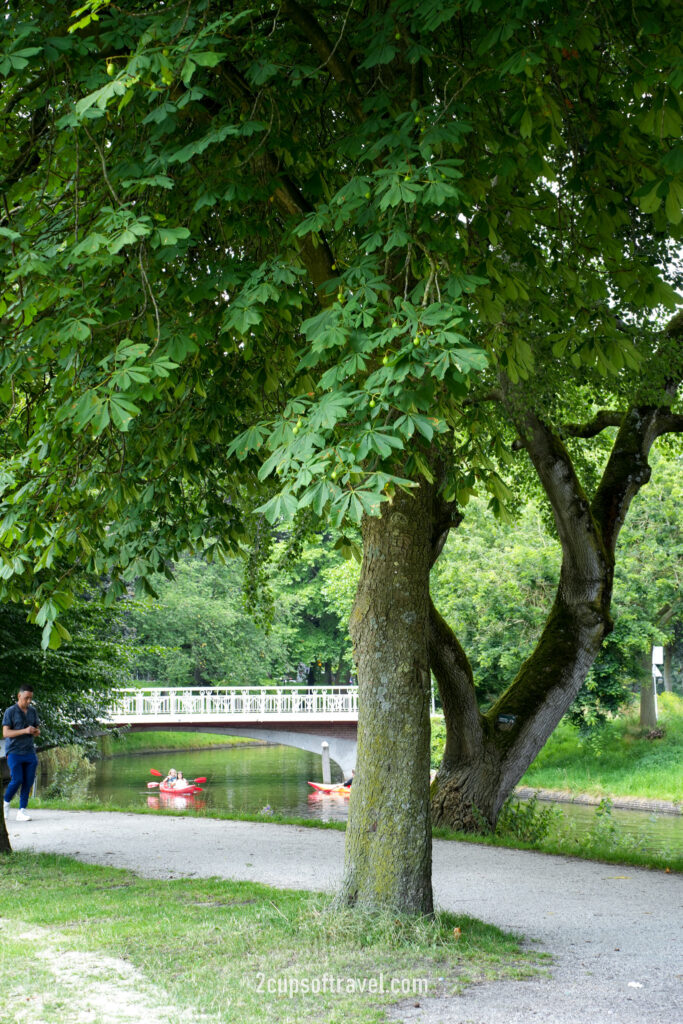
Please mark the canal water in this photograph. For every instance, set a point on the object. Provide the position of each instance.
(247, 779)
(241, 780)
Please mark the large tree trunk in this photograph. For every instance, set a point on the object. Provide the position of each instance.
(648, 694)
(388, 839)
(486, 755)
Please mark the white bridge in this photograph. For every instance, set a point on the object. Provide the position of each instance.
(299, 716)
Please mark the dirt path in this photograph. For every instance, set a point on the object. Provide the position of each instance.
(616, 934)
(57, 981)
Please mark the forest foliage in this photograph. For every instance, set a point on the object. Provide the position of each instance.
(494, 580)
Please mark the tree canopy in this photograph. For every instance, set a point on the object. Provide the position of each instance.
(317, 259)
(455, 184)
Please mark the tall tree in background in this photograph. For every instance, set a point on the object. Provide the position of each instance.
(201, 630)
(248, 240)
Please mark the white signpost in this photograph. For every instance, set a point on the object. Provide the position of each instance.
(657, 659)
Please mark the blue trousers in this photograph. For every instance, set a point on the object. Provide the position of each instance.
(23, 771)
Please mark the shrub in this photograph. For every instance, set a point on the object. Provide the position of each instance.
(71, 772)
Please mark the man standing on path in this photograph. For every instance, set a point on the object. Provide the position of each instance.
(19, 729)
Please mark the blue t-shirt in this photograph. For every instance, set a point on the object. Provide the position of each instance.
(15, 718)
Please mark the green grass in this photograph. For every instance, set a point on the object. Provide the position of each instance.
(618, 760)
(227, 944)
(602, 844)
(151, 742)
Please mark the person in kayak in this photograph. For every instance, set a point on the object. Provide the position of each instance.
(349, 782)
(171, 779)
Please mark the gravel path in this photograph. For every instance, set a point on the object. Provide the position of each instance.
(616, 934)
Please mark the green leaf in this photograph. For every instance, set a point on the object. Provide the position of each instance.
(169, 236)
(282, 507)
(261, 71)
(100, 420)
(471, 359)
(122, 411)
(379, 51)
(250, 440)
(651, 200)
(206, 58)
(674, 202)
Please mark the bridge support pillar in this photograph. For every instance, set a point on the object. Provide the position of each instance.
(327, 775)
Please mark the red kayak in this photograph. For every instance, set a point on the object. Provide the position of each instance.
(179, 791)
(331, 788)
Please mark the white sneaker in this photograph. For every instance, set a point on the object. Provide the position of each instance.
(22, 815)
(5, 807)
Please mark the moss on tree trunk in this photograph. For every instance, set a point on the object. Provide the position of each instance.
(388, 838)
(486, 755)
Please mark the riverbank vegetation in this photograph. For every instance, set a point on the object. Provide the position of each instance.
(620, 759)
(617, 760)
(166, 742)
(184, 949)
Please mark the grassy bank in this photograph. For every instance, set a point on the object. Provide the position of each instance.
(619, 760)
(152, 742)
(229, 950)
(602, 843)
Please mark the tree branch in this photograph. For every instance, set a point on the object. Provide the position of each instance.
(317, 258)
(453, 674)
(603, 419)
(626, 471)
(584, 560)
(669, 423)
(339, 69)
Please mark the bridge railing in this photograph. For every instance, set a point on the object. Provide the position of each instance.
(161, 702)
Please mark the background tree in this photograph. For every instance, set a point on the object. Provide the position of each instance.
(308, 228)
(495, 582)
(200, 630)
(74, 685)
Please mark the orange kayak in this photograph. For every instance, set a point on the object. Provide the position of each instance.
(331, 788)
